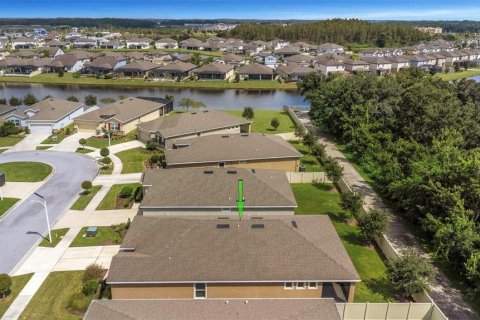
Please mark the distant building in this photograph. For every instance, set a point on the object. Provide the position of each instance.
(430, 30)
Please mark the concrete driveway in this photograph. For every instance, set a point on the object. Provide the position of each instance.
(70, 143)
(30, 142)
(24, 226)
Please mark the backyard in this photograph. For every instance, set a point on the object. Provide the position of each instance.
(324, 199)
(112, 199)
(106, 236)
(262, 118)
(310, 162)
(85, 198)
(133, 159)
(25, 171)
(18, 282)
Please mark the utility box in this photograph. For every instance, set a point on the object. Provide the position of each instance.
(2, 179)
(303, 168)
(91, 232)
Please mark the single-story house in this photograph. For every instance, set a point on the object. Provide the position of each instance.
(84, 43)
(254, 71)
(243, 150)
(6, 110)
(122, 116)
(299, 59)
(158, 57)
(191, 44)
(55, 44)
(293, 72)
(214, 191)
(329, 48)
(209, 258)
(232, 59)
(138, 43)
(214, 71)
(24, 43)
(287, 52)
(166, 43)
(355, 66)
(136, 69)
(112, 45)
(65, 62)
(174, 70)
(105, 64)
(238, 309)
(24, 67)
(48, 115)
(190, 125)
(50, 52)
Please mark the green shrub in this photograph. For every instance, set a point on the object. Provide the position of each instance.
(351, 202)
(5, 284)
(155, 158)
(93, 272)
(275, 123)
(86, 185)
(126, 192)
(151, 146)
(106, 161)
(79, 302)
(104, 152)
(372, 224)
(67, 131)
(90, 287)
(9, 128)
(138, 194)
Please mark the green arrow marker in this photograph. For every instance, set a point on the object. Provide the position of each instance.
(241, 200)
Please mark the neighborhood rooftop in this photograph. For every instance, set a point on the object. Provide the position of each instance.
(166, 250)
(52, 109)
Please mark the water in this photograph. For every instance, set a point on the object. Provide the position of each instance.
(227, 99)
(475, 78)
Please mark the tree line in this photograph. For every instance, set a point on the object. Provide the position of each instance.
(80, 22)
(340, 31)
(418, 138)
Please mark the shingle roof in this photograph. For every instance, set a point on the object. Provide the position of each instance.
(214, 309)
(232, 58)
(177, 66)
(216, 188)
(293, 70)
(138, 66)
(6, 109)
(294, 248)
(299, 58)
(191, 122)
(233, 147)
(64, 60)
(106, 62)
(255, 68)
(218, 68)
(53, 109)
(123, 111)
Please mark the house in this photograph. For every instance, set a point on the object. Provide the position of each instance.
(49, 52)
(214, 71)
(190, 125)
(330, 48)
(328, 66)
(173, 70)
(158, 57)
(136, 69)
(104, 65)
(138, 43)
(3, 44)
(112, 45)
(213, 191)
(122, 116)
(6, 110)
(24, 43)
(208, 258)
(166, 43)
(293, 72)
(48, 115)
(287, 52)
(241, 150)
(185, 57)
(191, 44)
(276, 44)
(379, 66)
(56, 44)
(267, 59)
(451, 58)
(66, 63)
(299, 59)
(398, 63)
(255, 71)
(355, 66)
(23, 67)
(232, 59)
(199, 309)
(85, 43)
(133, 55)
(418, 61)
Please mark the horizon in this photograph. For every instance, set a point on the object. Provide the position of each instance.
(407, 10)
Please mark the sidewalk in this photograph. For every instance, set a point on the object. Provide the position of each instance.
(102, 218)
(448, 299)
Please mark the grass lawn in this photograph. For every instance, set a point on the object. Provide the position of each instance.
(18, 282)
(106, 169)
(83, 150)
(323, 199)
(57, 235)
(84, 199)
(9, 141)
(105, 236)
(101, 142)
(43, 147)
(262, 118)
(311, 163)
(53, 78)
(51, 300)
(133, 159)
(60, 135)
(6, 204)
(25, 171)
(459, 75)
(110, 200)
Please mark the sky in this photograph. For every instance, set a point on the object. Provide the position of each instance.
(246, 9)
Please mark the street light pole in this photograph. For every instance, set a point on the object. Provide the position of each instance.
(44, 203)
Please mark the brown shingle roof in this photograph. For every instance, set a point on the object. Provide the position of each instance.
(177, 66)
(232, 147)
(191, 123)
(292, 70)
(53, 109)
(214, 309)
(255, 68)
(296, 248)
(123, 111)
(216, 188)
(64, 60)
(137, 66)
(217, 68)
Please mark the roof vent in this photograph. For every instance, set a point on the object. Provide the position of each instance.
(258, 226)
(223, 226)
(256, 218)
(253, 171)
(223, 218)
(208, 172)
(231, 171)
(225, 136)
(294, 224)
(244, 134)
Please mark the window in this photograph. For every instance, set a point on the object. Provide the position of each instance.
(288, 286)
(221, 165)
(200, 290)
(300, 285)
(114, 126)
(312, 285)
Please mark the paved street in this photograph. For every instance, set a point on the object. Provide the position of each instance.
(24, 226)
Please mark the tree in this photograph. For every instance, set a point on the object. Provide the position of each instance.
(333, 169)
(169, 98)
(106, 161)
(351, 202)
(90, 100)
(29, 99)
(72, 98)
(190, 103)
(299, 132)
(86, 186)
(309, 139)
(373, 224)
(275, 123)
(107, 100)
(5, 284)
(14, 101)
(318, 150)
(104, 152)
(410, 273)
(151, 146)
(3, 101)
(82, 142)
(61, 73)
(248, 113)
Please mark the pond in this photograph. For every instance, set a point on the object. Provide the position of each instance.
(228, 99)
(475, 78)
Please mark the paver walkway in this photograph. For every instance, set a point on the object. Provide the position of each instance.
(448, 299)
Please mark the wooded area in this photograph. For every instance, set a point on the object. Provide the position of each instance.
(80, 22)
(418, 137)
